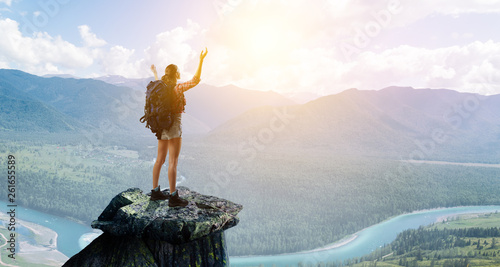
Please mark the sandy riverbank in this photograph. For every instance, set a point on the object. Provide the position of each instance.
(44, 251)
(337, 244)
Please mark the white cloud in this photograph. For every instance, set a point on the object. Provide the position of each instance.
(89, 38)
(119, 61)
(45, 54)
(462, 68)
(40, 53)
(7, 2)
(441, 72)
(4, 65)
(173, 47)
(169, 47)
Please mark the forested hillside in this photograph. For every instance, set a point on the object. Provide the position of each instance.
(90, 109)
(24, 114)
(290, 204)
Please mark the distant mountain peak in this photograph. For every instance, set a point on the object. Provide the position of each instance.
(397, 88)
(64, 76)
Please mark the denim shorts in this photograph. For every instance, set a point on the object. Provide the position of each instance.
(175, 130)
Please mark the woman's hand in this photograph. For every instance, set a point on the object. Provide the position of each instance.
(203, 55)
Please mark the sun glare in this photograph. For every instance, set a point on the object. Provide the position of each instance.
(263, 40)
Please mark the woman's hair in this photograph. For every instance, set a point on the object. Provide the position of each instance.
(170, 76)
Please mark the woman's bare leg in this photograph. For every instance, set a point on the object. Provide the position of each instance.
(174, 146)
(160, 160)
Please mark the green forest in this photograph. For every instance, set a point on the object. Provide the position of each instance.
(455, 242)
(292, 201)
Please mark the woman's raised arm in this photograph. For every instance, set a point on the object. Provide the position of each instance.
(202, 57)
(153, 69)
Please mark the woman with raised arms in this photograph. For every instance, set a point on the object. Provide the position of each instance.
(171, 139)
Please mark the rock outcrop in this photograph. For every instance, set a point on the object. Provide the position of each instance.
(140, 232)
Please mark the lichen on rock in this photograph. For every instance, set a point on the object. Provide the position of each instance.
(158, 235)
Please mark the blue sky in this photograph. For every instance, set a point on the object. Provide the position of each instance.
(129, 23)
(321, 47)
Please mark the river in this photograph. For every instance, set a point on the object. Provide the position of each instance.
(73, 236)
(364, 241)
(69, 233)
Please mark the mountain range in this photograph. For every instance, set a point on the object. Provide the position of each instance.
(213, 105)
(111, 104)
(63, 104)
(396, 122)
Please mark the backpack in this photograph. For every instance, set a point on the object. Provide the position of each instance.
(162, 104)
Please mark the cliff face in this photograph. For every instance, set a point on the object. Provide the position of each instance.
(140, 232)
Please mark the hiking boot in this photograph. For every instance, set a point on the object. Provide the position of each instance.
(176, 201)
(158, 195)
